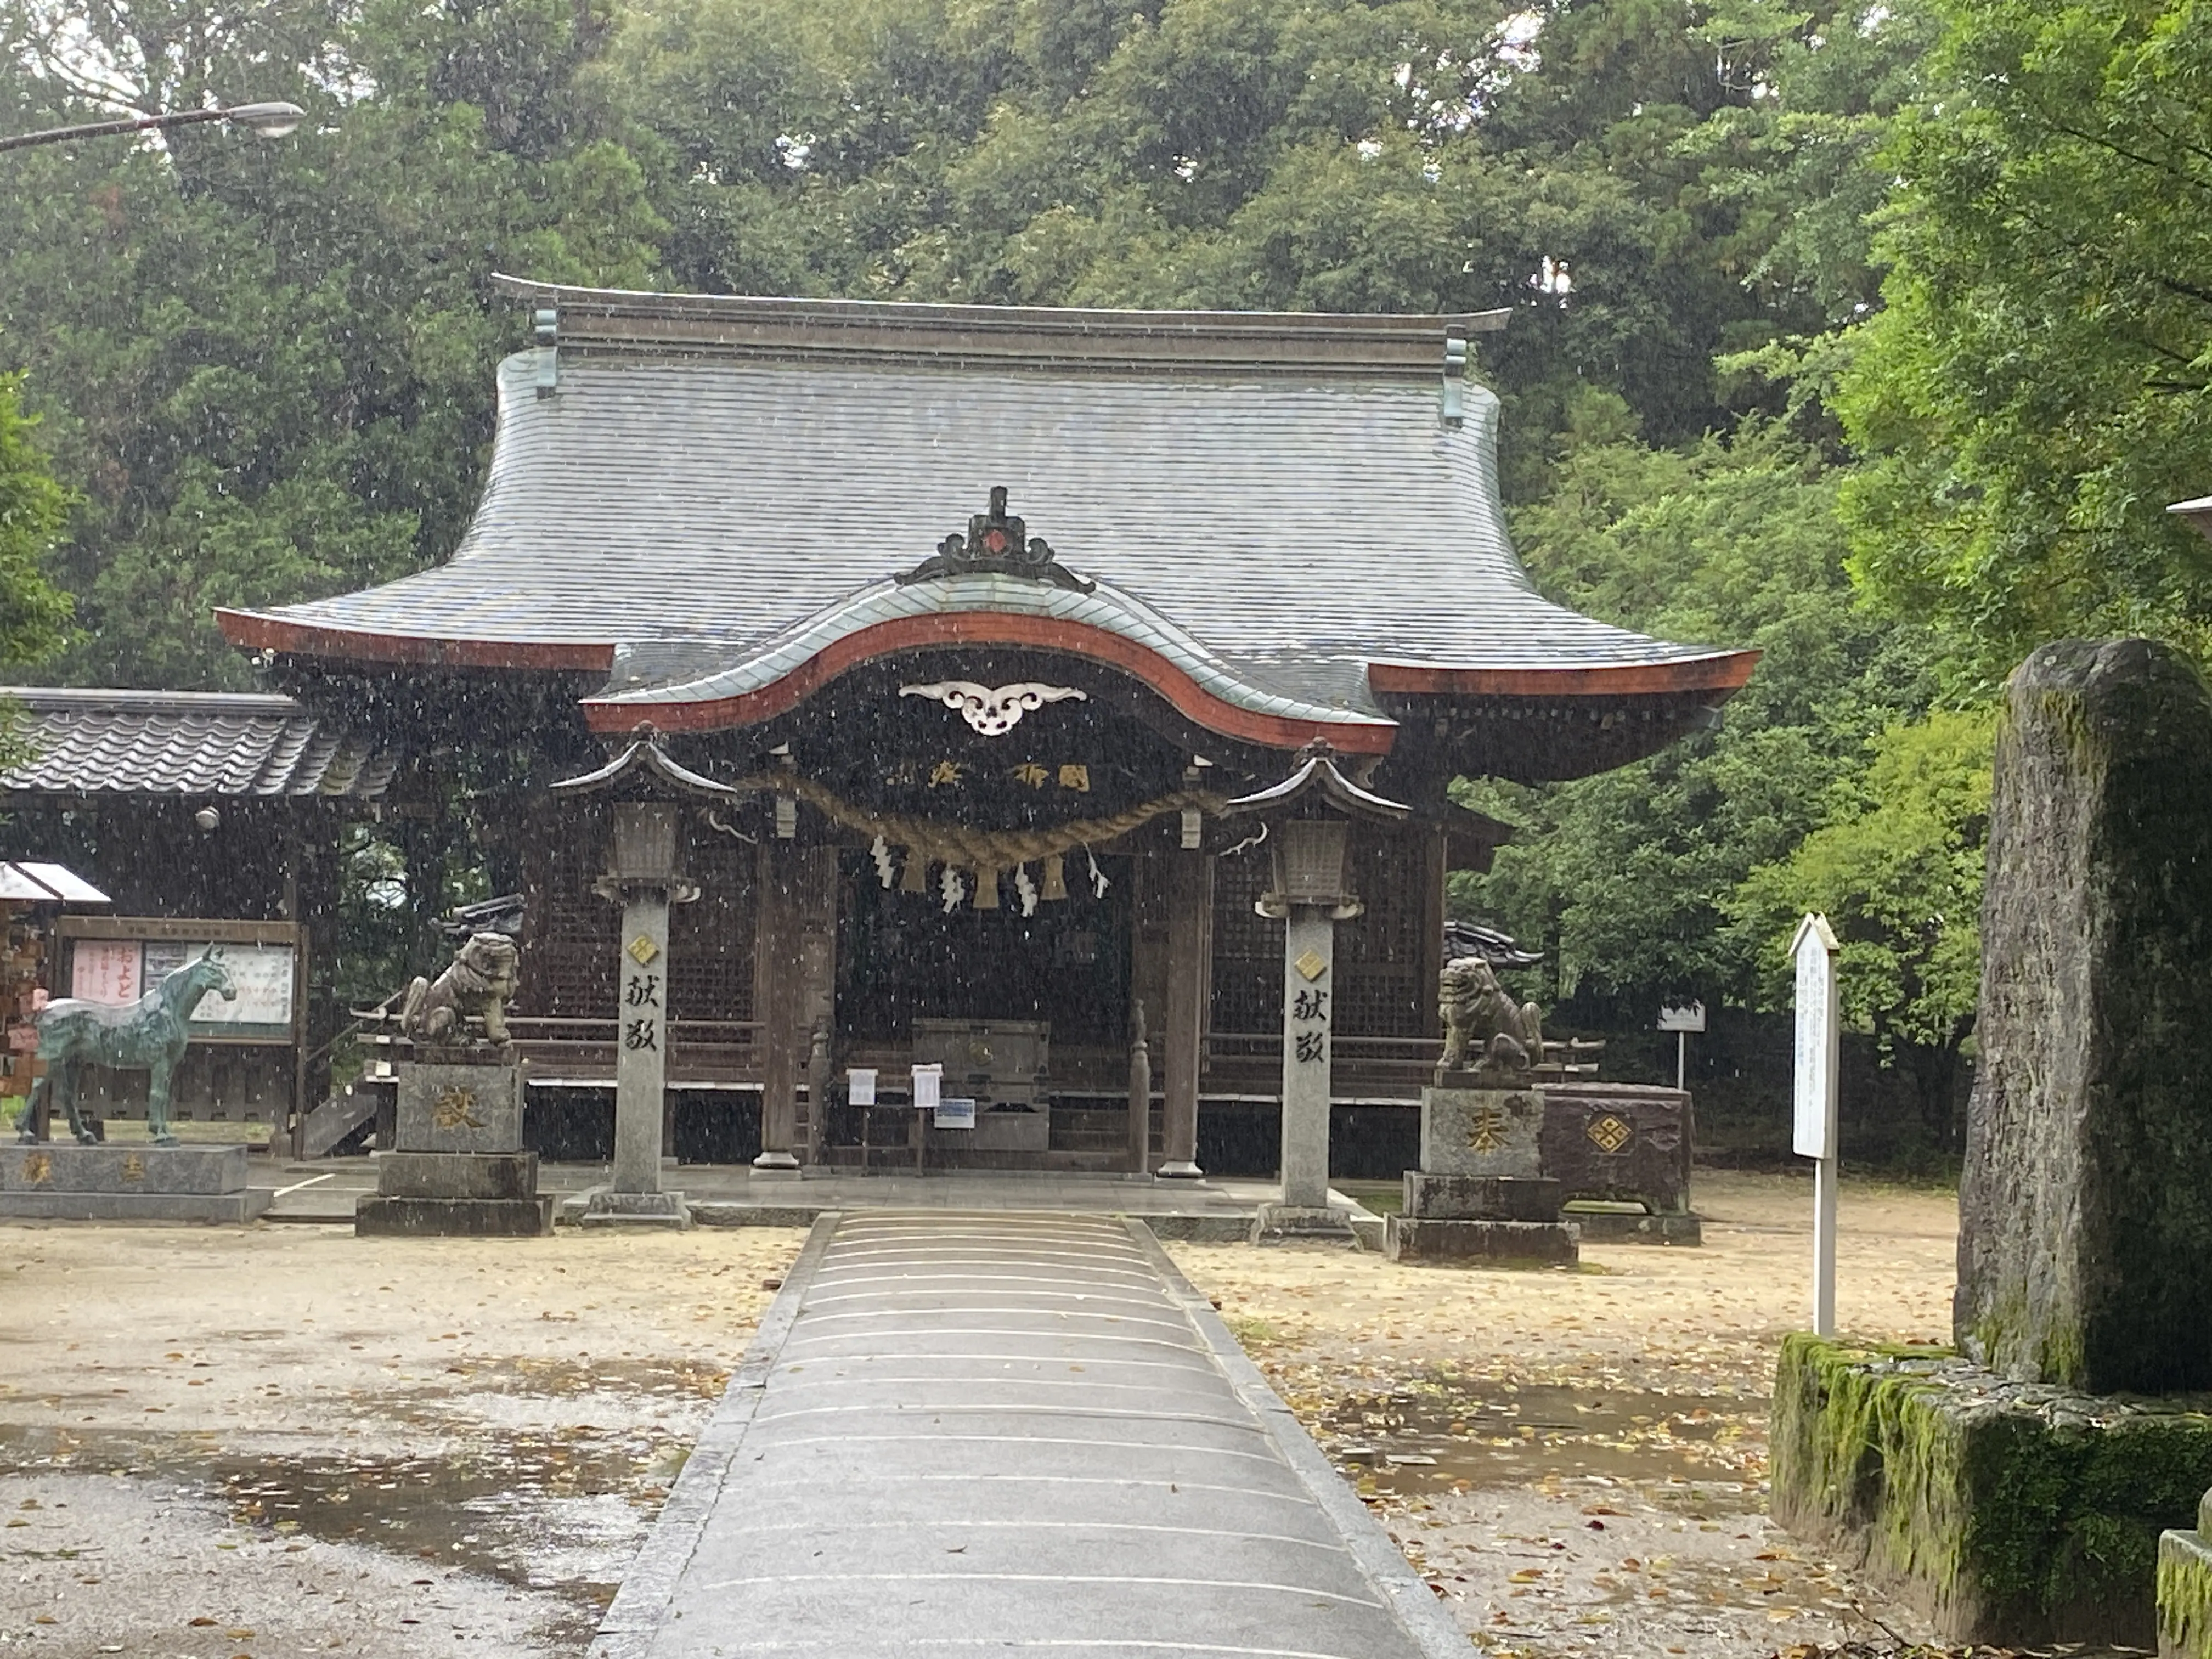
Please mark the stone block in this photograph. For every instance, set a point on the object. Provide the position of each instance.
(66, 1167)
(1482, 1132)
(1636, 1227)
(603, 1207)
(457, 1174)
(466, 1107)
(1275, 1224)
(454, 1218)
(1480, 1198)
(233, 1207)
(1619, 1140)
(1410, 1238)
(2087, 1179)
(2006, 1513)
(2184, 1590)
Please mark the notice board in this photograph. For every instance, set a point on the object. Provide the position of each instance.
(119, 959)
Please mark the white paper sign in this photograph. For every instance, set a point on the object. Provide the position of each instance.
(928, 1079)
(107, 971)
(861, 1086)
(1682, 1016)
(955, 1113)
(261, 973)
(1814, 1132)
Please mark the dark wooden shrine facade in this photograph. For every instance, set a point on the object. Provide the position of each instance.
(1089, 958)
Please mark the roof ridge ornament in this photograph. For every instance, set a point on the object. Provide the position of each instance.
(997, 544)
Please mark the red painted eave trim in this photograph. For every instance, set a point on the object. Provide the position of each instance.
(1096, 644)
(1722, 674)
(252, 630)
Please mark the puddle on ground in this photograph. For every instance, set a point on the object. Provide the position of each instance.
(1413, 1443)
(564, 1510)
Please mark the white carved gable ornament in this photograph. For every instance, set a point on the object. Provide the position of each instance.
(993, 713)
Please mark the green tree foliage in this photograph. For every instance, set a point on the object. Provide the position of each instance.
(1897, 868)
(1634, 178)
(266, 365)
(33, 508)
(1628, 879)
(2035, 392)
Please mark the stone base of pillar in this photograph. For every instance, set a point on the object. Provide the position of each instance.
(1278, 1222)
(606, 1207)
(1547, 1243)
(454, 1218)
(1184, 1171)
(775, 1166)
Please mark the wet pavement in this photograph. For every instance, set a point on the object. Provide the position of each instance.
(1009, 1430)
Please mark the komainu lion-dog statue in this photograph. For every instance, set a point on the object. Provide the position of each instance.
(1480, 1017)
(479, 981)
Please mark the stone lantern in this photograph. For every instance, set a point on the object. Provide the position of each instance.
(642, 877)
(1308, 823)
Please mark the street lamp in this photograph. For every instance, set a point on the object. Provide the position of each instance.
(271, 120)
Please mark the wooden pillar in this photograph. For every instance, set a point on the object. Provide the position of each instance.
(778, 979)
(1436, 901)
(816, 912)
(1190, 989)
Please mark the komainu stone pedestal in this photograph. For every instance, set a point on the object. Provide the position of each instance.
(459, 1170)
(69, 1182)
(1481, 1193)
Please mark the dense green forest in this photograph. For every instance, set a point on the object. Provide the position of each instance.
(1874, 337)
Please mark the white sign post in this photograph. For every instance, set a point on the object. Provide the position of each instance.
(1814, 1135)
(1681, 1018)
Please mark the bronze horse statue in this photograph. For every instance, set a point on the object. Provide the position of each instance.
(148, 1035)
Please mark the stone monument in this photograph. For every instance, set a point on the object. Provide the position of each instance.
(459, 1168)
(1481, 1193)
(2015, 1494)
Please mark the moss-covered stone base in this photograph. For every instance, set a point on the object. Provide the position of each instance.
(2006, 1512)
(2184, 1590)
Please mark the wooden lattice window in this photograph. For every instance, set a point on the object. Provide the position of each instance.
(567, 941)
(1248, 948)
(1379, 956)
(710, 940)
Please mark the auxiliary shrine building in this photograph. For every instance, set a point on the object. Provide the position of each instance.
(969, 643)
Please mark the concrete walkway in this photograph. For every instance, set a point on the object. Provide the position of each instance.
(1009, 1432)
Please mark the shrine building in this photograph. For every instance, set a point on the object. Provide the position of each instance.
(982, 654)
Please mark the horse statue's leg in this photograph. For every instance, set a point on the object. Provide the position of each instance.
(65, 1073)
(27, 1129)
(157, 1100)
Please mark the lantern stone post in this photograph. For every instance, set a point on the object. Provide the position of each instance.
(643, 875)
(1308, 817)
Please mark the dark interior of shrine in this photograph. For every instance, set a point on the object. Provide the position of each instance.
(906, 956)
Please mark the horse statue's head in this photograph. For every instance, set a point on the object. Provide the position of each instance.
(207, 973)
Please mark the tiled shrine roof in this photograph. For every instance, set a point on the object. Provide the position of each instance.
(708, 499)
(103, 742)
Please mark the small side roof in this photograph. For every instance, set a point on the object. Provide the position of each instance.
(31, 881)
(101, 741)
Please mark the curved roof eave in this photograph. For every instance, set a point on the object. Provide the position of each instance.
(1104, 626)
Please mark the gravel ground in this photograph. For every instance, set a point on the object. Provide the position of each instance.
(286, 1440)
(1577, 1460)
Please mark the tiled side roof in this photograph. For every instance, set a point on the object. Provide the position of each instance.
(170, 743)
